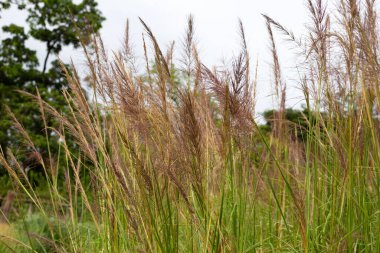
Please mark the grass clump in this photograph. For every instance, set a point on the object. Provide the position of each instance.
(180, 164)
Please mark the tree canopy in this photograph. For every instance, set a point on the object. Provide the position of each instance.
(56, 23)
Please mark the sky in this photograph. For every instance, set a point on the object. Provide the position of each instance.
(216, 30)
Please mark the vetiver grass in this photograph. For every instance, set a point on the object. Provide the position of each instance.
(182, 166)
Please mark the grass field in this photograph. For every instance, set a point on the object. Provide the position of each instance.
(174, 161)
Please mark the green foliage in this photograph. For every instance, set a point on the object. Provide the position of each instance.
(53, 23)
(298, 122)
(36, 233)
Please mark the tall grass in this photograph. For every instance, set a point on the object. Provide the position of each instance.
(177, 162)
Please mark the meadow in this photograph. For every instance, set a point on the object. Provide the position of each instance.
(173, 160)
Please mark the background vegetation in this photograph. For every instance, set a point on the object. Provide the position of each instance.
(55, 24)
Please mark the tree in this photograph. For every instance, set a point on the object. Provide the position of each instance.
(56, 23)
(297, 121)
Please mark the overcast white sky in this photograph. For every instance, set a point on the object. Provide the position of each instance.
(216, 23)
